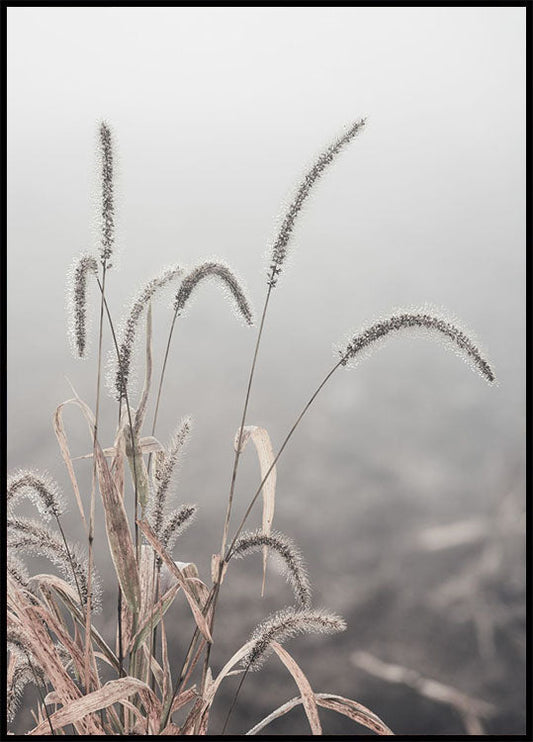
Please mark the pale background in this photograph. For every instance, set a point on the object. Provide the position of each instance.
(217, 113)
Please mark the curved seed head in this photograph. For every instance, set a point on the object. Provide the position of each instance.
(164, 471)
(285, 624)
(174, 525)
(35, 539)
(291, 556)
(39, 488)
(365, 339)
(225, 276)
(122, 365)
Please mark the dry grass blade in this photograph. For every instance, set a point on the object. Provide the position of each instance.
(265, 454)
(183, 699)
(308, 697)
(280, 711)
(152, 620)
(68, 596)
(59, 430)
(118, 534)
(42, 647)
(341, 705)
(182, 581)
(355, 711)
(117, 528)
(112, 692)
(226, 670)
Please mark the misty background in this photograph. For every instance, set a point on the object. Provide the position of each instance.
(404, 485)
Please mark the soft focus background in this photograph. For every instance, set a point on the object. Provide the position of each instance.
(404, 485)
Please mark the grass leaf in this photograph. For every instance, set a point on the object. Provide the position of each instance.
(265, 454)
(182, 581)
(308, 697)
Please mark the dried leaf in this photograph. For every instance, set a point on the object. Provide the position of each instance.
(213, 687)
(184, 698)
(265, 454)
(112, 692)
(69, 598)
(346, 706)
(215, 568)
(308, 697)
(151, 621)
(59, 430)
(280, 711)
(118, 534)
(355, 711)
(182, 581)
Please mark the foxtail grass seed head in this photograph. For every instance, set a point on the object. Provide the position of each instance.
(107, 207)
(22, 674)
(77, 302)
(139, 304)
(39, 488)
(285, 624)
(224, 275)
(291, 557)
(279, 248)
(26, 669)
(366, 339)
(174, 525)
(165, 469)
(35, 539)
(18, 572)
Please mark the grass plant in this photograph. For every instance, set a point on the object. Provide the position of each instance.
(53, 639)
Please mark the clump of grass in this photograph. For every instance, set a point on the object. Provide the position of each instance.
(53, 640)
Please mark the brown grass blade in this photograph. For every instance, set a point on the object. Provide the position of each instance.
(152, 620)
(307, 695)
(69, 598)
(280, 711)
(265, 454)
(182, 581)
(118, 534)
(154, 666)
(183, 699)
(355, 711)
(226, 670)
(112, 692)
(59, 430)
(42, 646)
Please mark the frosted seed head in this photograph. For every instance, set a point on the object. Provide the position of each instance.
(34, 539)
(167, 463)
(285, 624)
(280, 244)
(221, 273)
(289, 554)
(39, 488)
(175, 524)
(118, 370)
(78, 278)
(368, 339)
(107, 205)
